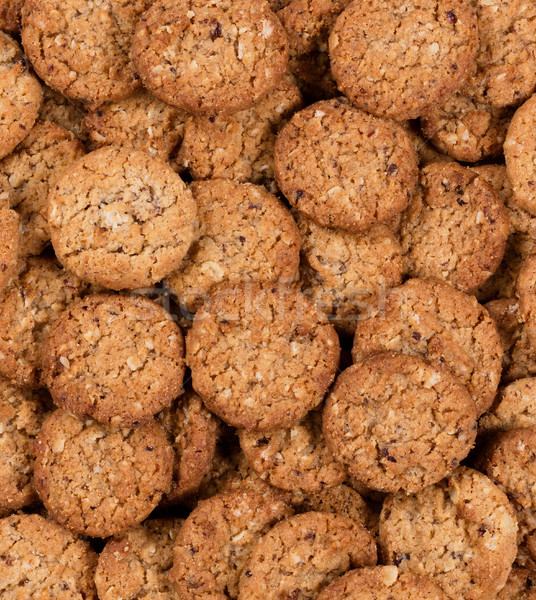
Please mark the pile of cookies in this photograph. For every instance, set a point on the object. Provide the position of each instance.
(267, 299)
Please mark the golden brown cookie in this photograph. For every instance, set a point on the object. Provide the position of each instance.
(58, 109)
(81, 48)
(21, 95)
(402, 65)
(9, 245)
(521, 585)
(397, 423)
(345, 273)
(136, 564)
(446, 327)
(295, 459)
(216, 540)
(40, 559)
(514, 408)
(21, 413)
(33, 169)
(118, 359)
(245, 234)
(382, 583)
(10, 13)
(344, 168)
(455, 227)
(303, 554)
(262, 356)
(29, 305)
(192, 431)
(99, 480)
(240, 146)
(141, 122)
(461, 532)
(505, 314)
(220, 55)
(121, 219)
(520, 153)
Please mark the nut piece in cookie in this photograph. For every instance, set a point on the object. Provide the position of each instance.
(342, 167)
(121, 219)
(98, 480)
(118, 359)
(262, 356)
(210, 56)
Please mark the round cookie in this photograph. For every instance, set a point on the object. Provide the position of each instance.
(40, 559)
(240, 146)
(21, 414)
(58, 109)
(466, 129)
(245, 234)
(345, 273)
(21, 95)
(121, 219)
(519, 154)
(136, 564)
(33, 169)
(455, 227)
(303, 554)
(9, 245)
(447, 328)
(515, 407)
(505, 314)
(342, 500)
(461, 532)
(141, 122)
(192, 432)
(29, 305)
(215, 56)
(216, 540)
(382, 583)
(295, 459)
(397, 423)
(98, 480)
(521, 585)
(82, 48)
(10, 13)
(344, 168)
(262, 356)
(401, 65)
(118, 359)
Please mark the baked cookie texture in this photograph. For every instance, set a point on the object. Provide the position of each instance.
(244, 234)
(461, 532)
(42, 559)
(118, 359)
(121, 219)
(10, 248)
(98, 480)
(262, 356)
(81, 49)
(342, 167)
(177, 46)
(400, 65)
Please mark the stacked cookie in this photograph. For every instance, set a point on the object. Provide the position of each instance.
(262, 334)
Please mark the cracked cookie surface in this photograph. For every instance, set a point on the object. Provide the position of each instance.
(446, 327)
(98, 480)
(121, 219)
(118, 359)
(9, 245)
(262, 356)
(455, 227)
(216, 540)
(401, 64)
(177, 46)
(82, 48)
(303, 554)
(245, 234)
(41, 559)
(461, 532)
(344, 168)
(397, 423)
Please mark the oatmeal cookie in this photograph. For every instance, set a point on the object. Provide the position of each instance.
(9, 245)
(514, 408)
(58, 109)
